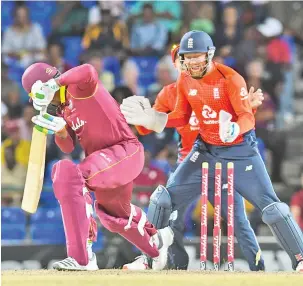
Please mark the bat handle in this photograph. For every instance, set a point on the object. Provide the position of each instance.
(43, 110)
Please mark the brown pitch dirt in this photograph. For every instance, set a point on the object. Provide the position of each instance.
(147, 278)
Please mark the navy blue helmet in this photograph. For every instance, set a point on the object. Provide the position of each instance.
(196, 42)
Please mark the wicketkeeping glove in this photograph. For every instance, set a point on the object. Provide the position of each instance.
(137, 110)
(48, 124)
(43, 93)
(228, 130)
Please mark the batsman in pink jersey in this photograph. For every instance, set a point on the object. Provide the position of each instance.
(114, 158)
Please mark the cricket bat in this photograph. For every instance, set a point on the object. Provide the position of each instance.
(35, 172)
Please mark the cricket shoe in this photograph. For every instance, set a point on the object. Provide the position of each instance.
(140, 263)
(299, 267)
(164, 239)
(70, 264)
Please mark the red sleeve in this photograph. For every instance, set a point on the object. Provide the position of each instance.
(238, 95)
(182, 112)
(161, 105)
(84, 76)
(66, 145)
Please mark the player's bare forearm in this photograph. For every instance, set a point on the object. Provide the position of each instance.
(65, 141)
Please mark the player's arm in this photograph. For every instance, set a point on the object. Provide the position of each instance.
(66, 139)
(182, 112)
(239, 98)
(84, 76)
(138, 111)
(160, 105)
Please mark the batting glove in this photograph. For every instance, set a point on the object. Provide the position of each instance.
(48, 124)
(228, 130)
(137, 110)
(43, 93)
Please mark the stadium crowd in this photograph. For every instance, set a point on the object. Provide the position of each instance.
(129, 43)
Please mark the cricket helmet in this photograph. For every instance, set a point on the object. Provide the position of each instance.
(43, 72)
(196, 42)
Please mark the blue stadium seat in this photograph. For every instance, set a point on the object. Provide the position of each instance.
(147, 70)
(129, 4)
(12, 215)
(15, 232)
(13, 223)
(41, 12)
(15, 72)
(48, 173)
(6, 14)
(47, 233)
(73, 49)
(98, 245)
(88, 4)
(49, 216)
(47, 227)
(48, 200)
(112, 65)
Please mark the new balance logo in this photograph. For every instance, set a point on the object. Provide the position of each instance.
(190, 43)
(216, 93)
(192, 92)
(248, 168)
(194, 157)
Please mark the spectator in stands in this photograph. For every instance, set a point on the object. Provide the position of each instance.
(120, 93)
(70, 20)
(130, 78)
(149, 179)
(23, 41)
(203, 19)
(14, 157)
(109, 36)
(296, 203)
(25, 122)
(4, 119)
(168, 14)
(12, 100)
(55, 51)
(164, 75)
(149, 37)
(274, 140)
(228, 34)
(95, 13)
(278, 54)
(107, 78)
(246, 50)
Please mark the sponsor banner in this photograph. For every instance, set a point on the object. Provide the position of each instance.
(118, 251)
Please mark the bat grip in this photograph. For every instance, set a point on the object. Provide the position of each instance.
(43, 110)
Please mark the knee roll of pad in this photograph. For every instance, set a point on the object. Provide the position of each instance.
(160, 207)
(278, 217)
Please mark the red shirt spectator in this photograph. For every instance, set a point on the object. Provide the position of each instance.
(149, 178)
(278, 51)
(296, 206)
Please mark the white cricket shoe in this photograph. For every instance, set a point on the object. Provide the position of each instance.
(70, 264)
(140, 263)
(165, 238)
(299, 267)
